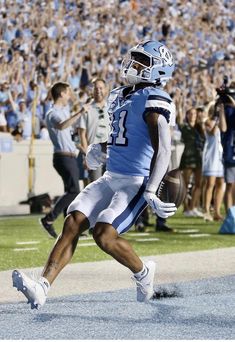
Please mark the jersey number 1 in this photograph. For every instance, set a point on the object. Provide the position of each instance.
(117, 135)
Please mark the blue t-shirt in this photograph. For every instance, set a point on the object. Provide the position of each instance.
(129, 149)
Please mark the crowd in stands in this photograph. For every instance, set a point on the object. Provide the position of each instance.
(42, 42)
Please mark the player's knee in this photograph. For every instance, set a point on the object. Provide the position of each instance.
(74, 224)
(104, 235)
(100, 235)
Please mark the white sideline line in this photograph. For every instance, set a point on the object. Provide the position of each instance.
(25, 249)
(86, 238)
(34, 248)
(199, 235)
(187, 230)
(27, 242)
(87, 244)
(138, 234)
(146, 240)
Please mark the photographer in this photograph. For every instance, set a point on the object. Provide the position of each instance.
(225, 110)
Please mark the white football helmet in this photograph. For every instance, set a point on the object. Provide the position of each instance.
(149, 62)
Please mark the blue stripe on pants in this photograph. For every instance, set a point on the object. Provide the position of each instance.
(126, 219)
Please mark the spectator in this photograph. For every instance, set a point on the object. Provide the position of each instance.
(93, 126)
(212, 167)
(24, 116)
(74, 78)
(3, 121)
(44, 134)
(191, 162)
(226, 109)
(6, 106)
(59, 121)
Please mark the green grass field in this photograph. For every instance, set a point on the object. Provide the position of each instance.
(25, 244)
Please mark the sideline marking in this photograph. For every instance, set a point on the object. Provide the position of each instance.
(146, 240)
(87, 244)
(187, 230)
(138, 234)
(27, 242)
(25, 249)
(199, 235)
(86, 238)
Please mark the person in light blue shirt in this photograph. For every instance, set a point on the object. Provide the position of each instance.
(59, 121)
(24, 116)
(74, 78)
(9, 33)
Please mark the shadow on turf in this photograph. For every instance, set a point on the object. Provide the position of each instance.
(162, 293)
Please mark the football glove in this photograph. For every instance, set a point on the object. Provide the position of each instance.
(160, 208)
(95, 157)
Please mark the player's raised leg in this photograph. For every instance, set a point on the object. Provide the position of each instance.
(75, 224)
(36, 291)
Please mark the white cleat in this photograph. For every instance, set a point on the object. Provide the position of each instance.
(144, 286)
(33, 290)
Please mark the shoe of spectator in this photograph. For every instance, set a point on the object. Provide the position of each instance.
(189, 213)
(48, 227)
(34, 291)
(218, 218)
(139, 227)
(198, 213)
(86, 233)
(208, 217)
(164, 228)
(145, 285)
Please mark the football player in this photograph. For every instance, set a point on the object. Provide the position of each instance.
(138, 154)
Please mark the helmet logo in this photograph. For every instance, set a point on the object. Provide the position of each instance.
(166, 55)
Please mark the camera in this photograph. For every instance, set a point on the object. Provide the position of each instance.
(226, 94)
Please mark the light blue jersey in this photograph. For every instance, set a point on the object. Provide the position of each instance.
(129, 149)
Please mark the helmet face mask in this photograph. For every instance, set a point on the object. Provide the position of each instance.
(134, 72)
(149, 62)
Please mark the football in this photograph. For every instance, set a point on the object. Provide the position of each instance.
(172, 188)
